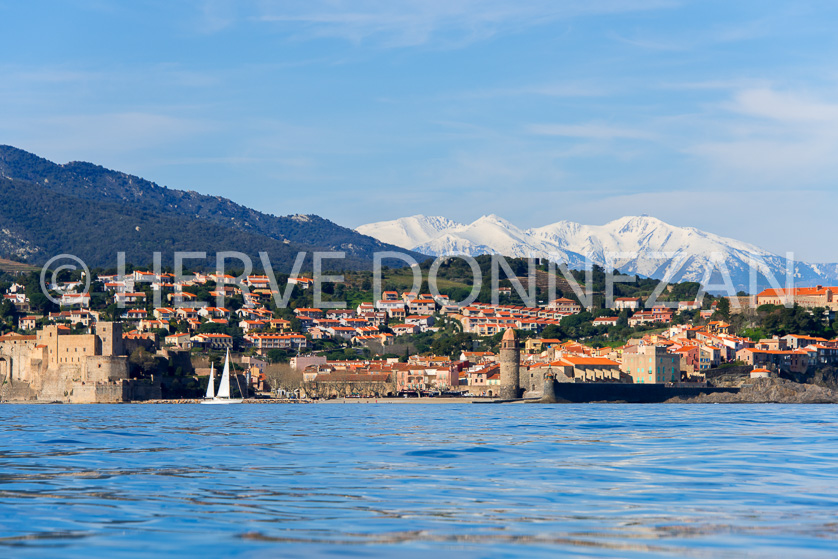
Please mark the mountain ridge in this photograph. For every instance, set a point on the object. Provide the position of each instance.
(131, 198)
(693, 250)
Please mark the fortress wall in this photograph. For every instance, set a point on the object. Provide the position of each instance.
(114, 392)
(132, 344)
(105, 368)
(17, 358)
(100, 393)
(145, 391)
(56, 382)
(17, 392)
(75, 349)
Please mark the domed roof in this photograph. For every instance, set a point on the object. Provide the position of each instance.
(509, 335)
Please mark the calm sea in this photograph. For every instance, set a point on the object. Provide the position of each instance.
(413, 480)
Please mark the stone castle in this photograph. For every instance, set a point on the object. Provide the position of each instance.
(75, 368)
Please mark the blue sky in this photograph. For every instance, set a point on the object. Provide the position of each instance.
(718, 115)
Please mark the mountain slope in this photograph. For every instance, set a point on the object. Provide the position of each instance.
(167, 218)
(96, 232)
(635, 245)
(87, 181)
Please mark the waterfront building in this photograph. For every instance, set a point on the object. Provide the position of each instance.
(651, 364)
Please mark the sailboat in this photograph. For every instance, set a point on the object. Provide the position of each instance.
(223, 394)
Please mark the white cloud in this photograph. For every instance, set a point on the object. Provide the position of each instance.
(784, 107)
(593, 131)
(771, 162)
(555, 89)
(649, 44)
(216, 15)
(732, 84)
(772, 138)
(415, 22)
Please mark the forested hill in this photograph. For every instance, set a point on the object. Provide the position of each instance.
(85, 209)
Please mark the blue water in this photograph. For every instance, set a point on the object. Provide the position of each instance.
(416, 480)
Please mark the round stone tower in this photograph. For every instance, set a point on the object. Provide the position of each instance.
(549, 394)
(510, 363)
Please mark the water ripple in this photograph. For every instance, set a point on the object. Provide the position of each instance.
(587, 480)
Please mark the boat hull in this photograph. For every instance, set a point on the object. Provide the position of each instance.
(222, 401)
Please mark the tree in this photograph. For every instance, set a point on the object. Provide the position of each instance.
(7, 310)
(161, 333)
(552, 331)
(622, 318)
(723, 308)
(283, 377)
(41, 302)
(112, 311)
(278, 356)
(143, 362)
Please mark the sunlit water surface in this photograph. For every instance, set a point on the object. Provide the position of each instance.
(415, 480)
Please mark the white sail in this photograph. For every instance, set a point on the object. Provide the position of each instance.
(224, 389)
(211, 386)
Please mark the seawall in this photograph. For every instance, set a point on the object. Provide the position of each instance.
(583, 392)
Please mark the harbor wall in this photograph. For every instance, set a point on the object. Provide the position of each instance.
(583, 392)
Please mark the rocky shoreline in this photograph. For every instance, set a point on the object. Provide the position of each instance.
(767, 391)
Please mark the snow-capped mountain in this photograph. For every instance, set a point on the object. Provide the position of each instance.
(414, 230)
(635, 245)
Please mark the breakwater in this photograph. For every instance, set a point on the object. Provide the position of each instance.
(584, 392)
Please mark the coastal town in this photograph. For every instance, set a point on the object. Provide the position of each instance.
(113, 344)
